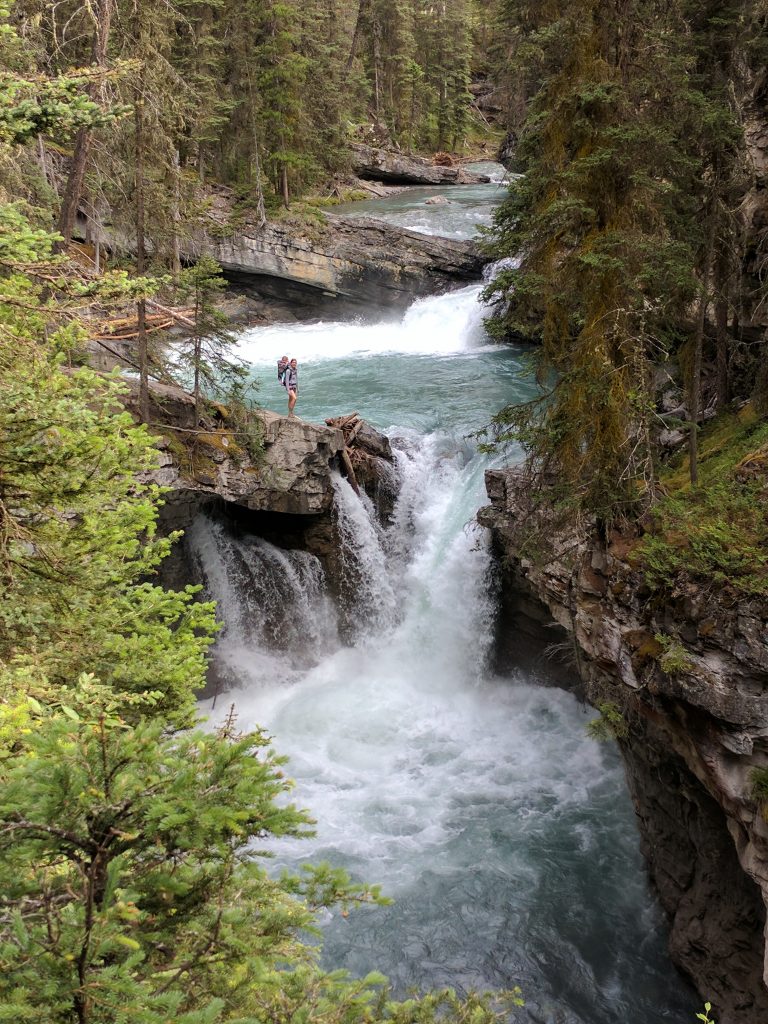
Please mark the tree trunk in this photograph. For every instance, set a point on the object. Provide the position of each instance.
(176, 241)
(284, 185)
(196, 386)
(197, 355)
(376, 63)
(141, 255)
(694, 397)
(721, 319)
(361, 11)
(261, 210)
(74, 187)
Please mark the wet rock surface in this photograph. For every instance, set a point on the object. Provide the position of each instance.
(284, 493)
(697, 730)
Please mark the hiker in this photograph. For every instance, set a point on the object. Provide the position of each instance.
(291, 383)
(282, 366)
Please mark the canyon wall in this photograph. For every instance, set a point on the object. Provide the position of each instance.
(685, 675)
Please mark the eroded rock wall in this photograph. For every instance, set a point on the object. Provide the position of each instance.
(284, 493)
(698, 726)
(353, 262)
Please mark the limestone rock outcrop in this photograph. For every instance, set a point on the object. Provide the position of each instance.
(292, 476)
(401, 169)
(344, 262)
(688, 672)
(281, 490)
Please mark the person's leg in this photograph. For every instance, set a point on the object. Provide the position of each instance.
(291, 402)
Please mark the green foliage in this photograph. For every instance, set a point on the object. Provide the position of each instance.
(595, 216)
(32, 104)
(611, 725)
(704, 1017)
(130, 840)
(132, 888)
(78, 544)
(759, 777)
(674, 658)
(207, 354)
(632, 149)
(131, 884)
(717, 535)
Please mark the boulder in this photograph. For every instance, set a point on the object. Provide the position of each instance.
(292, 477)
(400, 169)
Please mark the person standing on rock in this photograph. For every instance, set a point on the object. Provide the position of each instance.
(291, 382)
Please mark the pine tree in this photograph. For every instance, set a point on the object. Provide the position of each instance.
(215, 372)
(602, 221)
(131, 889)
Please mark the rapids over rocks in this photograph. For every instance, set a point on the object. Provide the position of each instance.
(505, 836)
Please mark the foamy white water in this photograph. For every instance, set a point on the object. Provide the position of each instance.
(440, 325)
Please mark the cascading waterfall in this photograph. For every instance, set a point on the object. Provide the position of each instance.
(363, 561)
(277, 615)
(503, 832)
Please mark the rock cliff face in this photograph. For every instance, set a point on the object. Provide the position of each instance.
(293, 477)
(286, 494)
(697, 722)
(343, 263)
(400, 169)
(325, 266)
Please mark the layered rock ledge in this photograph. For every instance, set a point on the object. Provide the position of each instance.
(343, 262)
(688, 672)
(288, 471)
(284, 489)
(401, 169)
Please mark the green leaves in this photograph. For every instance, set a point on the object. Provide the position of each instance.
(80, 543)
(132, 887)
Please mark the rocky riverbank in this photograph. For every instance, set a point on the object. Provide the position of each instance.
(377, 164)
(682, 680)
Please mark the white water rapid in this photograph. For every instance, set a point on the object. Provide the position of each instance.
(503, 833)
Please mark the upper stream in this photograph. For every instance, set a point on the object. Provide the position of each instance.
(468, 207)
(504, 834)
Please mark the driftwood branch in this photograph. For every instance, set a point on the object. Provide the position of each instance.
(347, 462)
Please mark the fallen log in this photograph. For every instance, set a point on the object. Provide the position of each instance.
(351, 475)
(171, 312)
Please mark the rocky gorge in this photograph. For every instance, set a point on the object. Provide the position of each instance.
(683, 680)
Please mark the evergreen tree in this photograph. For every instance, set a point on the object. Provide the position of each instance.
(131, 890)
(214, 370)
(603, 223)
(77, 528)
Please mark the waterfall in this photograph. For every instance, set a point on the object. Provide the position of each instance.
(504, 834)
(277, 615)
(363, 560)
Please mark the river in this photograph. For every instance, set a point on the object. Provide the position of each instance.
(503, 833)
